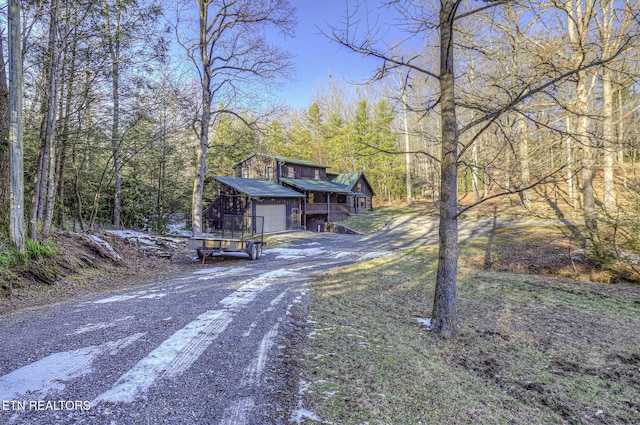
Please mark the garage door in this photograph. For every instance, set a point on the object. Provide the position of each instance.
(275, 217)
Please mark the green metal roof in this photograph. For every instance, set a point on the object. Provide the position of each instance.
(316, 185)
(348, 180)
(258, 188)
(284, 159)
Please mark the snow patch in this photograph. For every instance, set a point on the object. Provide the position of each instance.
(291, 253)
(256, 368)
(279, 298)
(115, 298)
(135, 295)
(300, 414)
(48, 375)
(96, 326)
(375, 254)
(425, 321)
(151, 296)
(177, 353)
(206, 274)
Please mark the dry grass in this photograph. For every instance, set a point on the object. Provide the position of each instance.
(532, 349)
(549, 251)
(375, 220)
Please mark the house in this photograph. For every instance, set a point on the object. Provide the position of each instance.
(291, 193)
(281, 207)
(361, 193)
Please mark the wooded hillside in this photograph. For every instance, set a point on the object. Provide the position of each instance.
(114, 94)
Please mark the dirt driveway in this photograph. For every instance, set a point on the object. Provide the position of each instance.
(197, 347)
(200, 346)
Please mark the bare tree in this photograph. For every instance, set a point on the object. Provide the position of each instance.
(232, 49)
(419, 21)
(4, 140)
(613, 22)
(43, 180)
(16, 205)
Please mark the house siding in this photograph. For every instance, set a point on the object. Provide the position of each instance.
(325, 206)
(256, 168)
(234, 203)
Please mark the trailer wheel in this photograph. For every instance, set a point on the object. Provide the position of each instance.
(259, 250)
(252, 250)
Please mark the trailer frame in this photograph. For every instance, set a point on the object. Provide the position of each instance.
(239, 233)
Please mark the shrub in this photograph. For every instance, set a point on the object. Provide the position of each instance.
(39, 250)
(10, 256)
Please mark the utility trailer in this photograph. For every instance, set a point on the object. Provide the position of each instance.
(239, 233)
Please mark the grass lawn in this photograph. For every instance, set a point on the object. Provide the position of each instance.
(532, 349)
(375, 220)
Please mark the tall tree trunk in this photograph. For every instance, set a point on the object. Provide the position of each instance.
(39, 178)
(609, 142)
(578, 20)
(205, 119)
(573, 194)
(587, 160)
(407, 155)
(621, 131)
(52, 104)
(525, 169)
(64, 136)
(42, 183)
(5, 187)
(444, 319)
(16, 203)
(113, 39)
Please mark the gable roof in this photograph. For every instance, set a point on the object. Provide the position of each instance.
(283, 159)
(349, 180)
(258, 188)
(316, 185)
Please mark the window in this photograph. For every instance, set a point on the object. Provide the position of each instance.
(269, 173)
(291, 173)
(310, 198)
(317, 174)
(359, 187)
(245, 173)
(295, 215)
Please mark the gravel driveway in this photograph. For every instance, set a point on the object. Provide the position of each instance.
(193, 348)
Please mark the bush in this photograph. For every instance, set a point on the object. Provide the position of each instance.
(37, 250)
(10, 256)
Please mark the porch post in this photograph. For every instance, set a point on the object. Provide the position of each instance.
(304, 211)
(328, 207)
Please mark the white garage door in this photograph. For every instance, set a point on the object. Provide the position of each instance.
(275, 217)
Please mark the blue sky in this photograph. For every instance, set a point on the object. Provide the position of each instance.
(316, 57)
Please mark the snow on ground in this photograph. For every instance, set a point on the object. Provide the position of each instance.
(97, 326)
(209, 273)
(426, 322)
(127, 234)
(136, 295)
(178, 352)
(292, 253)
(48, 375)
(300, 414)
(375, 254)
